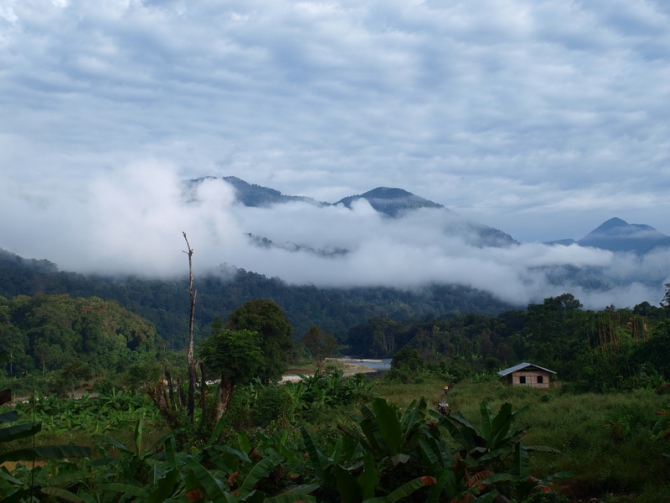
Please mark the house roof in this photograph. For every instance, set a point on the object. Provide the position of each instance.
(522, 366)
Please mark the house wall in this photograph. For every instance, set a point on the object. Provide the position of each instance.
(531, 378)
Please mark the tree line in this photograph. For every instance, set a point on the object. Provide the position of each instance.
(164, 302)
(609, 349)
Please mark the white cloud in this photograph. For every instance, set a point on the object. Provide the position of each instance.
(130, 220)
(542, 119)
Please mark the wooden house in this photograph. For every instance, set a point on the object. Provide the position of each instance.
(527, 374)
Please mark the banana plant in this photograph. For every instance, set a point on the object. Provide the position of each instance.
(357, 462)
(489, 458)
(23, 489)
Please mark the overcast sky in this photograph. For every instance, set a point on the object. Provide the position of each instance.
(540, 118)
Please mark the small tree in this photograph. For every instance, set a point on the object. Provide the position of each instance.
(407, 358)
(267, 319)
(320, 345)
(234, 356)
(69, 377)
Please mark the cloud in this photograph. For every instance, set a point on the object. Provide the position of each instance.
(131, 220)
(542, 119)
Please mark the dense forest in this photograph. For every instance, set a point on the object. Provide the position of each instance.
(164, 302)
(612, 348)
(48, 332)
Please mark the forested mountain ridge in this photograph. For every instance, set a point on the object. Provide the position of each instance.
(166, 302)
(46, 332)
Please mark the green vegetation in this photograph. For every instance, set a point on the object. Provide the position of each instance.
(614, 349)
(165, 302)
(319, 345)
(601, 432)
(53, 343)
(613, 444)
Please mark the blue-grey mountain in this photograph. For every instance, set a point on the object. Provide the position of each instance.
(617, 235)
(391, 202)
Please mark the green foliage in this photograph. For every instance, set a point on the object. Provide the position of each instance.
(268, 320)
(614, 349)
(311, 400)
(320, 345)
(235, 355)
(18, 488)
(70, 377)
(115, 412)
(573, 423)
(407, 358)
(274, 403)
(57, 332)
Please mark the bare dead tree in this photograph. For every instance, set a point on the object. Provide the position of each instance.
(192, 372)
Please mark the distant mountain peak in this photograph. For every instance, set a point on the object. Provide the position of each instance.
(612, 223)
(387, 193)
(618, 235)
(391, 201)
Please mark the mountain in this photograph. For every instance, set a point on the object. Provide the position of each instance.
(617, 235)
(39, 265)
(391, 201)
(166, 302)
(250, 194)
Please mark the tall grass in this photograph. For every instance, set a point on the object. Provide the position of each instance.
(607, 440)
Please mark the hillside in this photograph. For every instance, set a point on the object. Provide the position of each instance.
(46, 332)
(166, 302)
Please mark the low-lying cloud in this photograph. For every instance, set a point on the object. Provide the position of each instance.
(130, 221)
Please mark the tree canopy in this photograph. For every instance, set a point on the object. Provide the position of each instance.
(46, 332)
(267, 319)
(235, 357)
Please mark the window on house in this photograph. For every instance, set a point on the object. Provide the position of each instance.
(522, 380)
(540, 379)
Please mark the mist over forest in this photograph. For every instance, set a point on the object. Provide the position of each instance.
(130, 222)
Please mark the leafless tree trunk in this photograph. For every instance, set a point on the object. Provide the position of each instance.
(203, 390)
(225, 394)
(192, 373)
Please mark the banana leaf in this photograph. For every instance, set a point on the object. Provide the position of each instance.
(294, 494)
(63, 494)
(164, 487)
(404, 490)
(17, 431)
(46, 452)
(260, 470)
(118, 487)
(209, 483)
(9, 417)
(388, 424)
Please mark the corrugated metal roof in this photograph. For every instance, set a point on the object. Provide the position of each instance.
(522, 366)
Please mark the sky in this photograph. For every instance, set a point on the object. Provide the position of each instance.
(539, 118)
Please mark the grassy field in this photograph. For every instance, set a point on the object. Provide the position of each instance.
(608, 441)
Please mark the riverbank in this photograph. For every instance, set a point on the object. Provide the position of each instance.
(349, 366)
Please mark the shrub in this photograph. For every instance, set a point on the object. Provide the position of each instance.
(273, 404)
